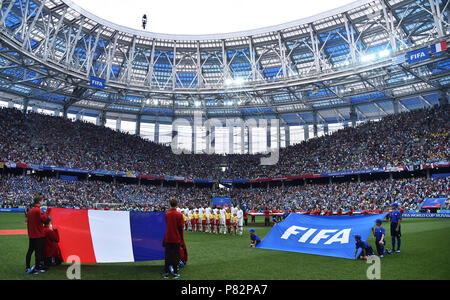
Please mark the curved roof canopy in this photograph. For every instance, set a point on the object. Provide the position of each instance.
(328, 63)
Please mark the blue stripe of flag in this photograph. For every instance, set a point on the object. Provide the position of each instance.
(147, 234)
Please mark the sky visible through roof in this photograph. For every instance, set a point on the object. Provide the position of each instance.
(198, 17)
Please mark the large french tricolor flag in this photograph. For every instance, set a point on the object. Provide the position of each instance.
(438, 47)
(97, 236)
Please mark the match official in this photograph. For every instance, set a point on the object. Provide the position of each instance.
(173, 239)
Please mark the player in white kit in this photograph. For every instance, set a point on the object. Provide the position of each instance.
(240, 220)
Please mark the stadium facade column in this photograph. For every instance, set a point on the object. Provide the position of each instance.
(396, 105)
(102, 118)
(353, 115)
(243, 138)
(118, 124)
(138, 125)
(269, 135)
(65, 109)
(325, 129)
(208, 137)
(316, 131)
(443, 99)
(231, 139)
(156, 132)
(213, 138)
(194, 138)
(287, 135)
(250, 140)
(306, 132)
(26, 101)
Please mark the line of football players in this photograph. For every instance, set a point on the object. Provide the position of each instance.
(218, 220)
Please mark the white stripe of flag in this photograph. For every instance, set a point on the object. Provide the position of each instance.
(111, 236)
(439, 47)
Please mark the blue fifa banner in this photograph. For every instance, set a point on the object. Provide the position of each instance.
(221, 202)
(320, 235)
(418, 55)
(98, 83)
(434, 203)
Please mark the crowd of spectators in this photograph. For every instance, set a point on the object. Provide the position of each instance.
(18, 191)
(419, 137)
(416, 137)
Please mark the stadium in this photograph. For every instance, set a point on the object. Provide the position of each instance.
(301, 128)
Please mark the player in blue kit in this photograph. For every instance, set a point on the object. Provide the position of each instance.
(396, 220)
(379, 232)
(366, 248)
(254, 238)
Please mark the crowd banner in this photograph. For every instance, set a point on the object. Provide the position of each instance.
(320, 235)
(97, 236)
(221, 202)
(434, 203)
(389, 169)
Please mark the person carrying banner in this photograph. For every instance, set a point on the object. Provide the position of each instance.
(366, 248)
(36, 235)
(246, 217)
(253, 216)
(51, 252)
(396, 220)
(266, 216)
(173, 240)
(254, 238)
(379, 232)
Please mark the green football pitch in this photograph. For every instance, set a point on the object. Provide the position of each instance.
(425, 255)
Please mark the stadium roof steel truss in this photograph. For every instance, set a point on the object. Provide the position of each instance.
(350, 56)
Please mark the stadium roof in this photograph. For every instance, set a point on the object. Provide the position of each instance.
(314, 70)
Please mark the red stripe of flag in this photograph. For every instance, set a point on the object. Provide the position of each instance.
(74, 234)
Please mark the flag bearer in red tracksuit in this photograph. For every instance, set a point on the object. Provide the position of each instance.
(36, 235)
(173, 240)
(52, 253)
